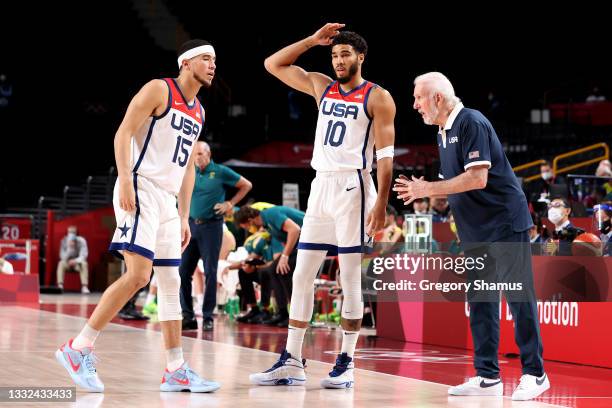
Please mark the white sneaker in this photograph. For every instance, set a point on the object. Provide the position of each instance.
(286, 371)
(530, 387)
(479, 386)
(85, 290)
(342, 374)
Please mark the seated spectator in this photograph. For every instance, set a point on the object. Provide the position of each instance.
(420, 206)
(73, 256)
(539, 189)
(439, 209)
(536, 235)
(596, 197)
(604, 169)
(602, 216)
(6, 267)
(558, 213)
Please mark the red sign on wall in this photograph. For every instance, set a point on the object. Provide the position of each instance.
(15, 228)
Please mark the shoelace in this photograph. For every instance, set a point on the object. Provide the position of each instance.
(339, 368)
(90, 361)
(191, 375)
(281, 361)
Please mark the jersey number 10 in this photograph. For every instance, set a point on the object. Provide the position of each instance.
(181, 158)
(331, 135)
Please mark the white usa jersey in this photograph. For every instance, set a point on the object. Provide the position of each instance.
(162, 146)
(344, 139)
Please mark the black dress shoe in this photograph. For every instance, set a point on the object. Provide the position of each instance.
(273, 320)
(208, 325)
(190, 324)
(246, 317)
(284, 323)
(132, 314)
(260, 317)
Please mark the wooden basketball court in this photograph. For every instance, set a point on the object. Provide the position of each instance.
(132, 362)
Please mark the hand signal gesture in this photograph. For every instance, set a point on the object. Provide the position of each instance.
(326, 33)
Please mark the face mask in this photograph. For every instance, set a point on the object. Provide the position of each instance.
(555, 215)
(71, 235)
(547, 175)
(605, 227)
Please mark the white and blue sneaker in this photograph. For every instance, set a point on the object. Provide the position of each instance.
(479, 386)
(286, 371)
(81, 365)
(530, 387)
(185, 379)
(342, 374)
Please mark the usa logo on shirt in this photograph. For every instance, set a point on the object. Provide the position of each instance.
(474, 155)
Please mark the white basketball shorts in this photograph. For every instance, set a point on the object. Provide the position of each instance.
(153, 230)
(338, 206)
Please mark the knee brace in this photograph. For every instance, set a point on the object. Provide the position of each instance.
(350, 276)
(168, 287)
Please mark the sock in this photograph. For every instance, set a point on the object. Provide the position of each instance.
(86, 338)
(295, 338)
(150, 298)
(174, 358)
(349, 342)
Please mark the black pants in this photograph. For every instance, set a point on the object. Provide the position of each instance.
(206, 244)
(260, 276)
(269, 279)
(511, 262)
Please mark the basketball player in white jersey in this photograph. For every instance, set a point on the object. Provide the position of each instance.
(153, 148)
(344, 210)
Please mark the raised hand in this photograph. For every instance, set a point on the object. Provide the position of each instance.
(325, 34)
(409, 190)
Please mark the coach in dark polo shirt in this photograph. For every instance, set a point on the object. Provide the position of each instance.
(208, 205)
(492, 218)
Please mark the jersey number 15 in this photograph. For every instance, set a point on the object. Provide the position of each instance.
(181, 157)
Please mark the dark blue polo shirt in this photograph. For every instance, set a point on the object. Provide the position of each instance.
(500, 209)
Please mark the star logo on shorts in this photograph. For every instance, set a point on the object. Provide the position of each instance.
(124, 230)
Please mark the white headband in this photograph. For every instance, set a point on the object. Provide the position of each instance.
(194, 52)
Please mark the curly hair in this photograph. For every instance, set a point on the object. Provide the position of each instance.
(353, 39)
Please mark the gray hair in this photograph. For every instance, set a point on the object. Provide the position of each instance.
(439, 83)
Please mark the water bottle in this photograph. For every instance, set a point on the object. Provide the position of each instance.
(337, 305)
(236, 306)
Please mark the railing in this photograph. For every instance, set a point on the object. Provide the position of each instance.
(606, 155)
(555, 166)
(528, 166)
